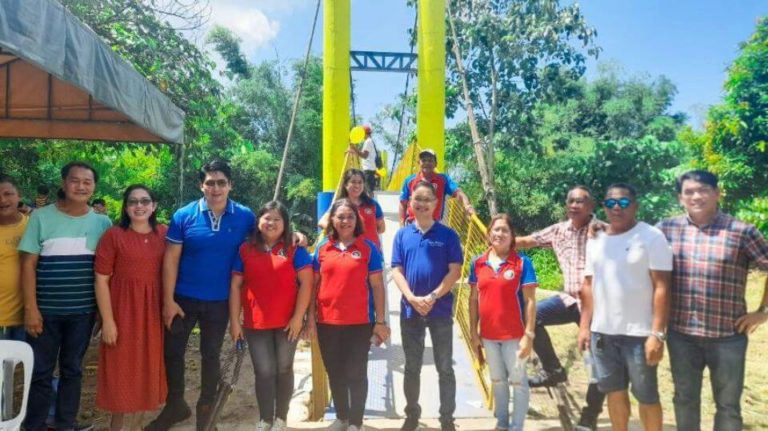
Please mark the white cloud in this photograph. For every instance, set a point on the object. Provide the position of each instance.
(249, 23)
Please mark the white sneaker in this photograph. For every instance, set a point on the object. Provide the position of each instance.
(263, 426)
(355, 428)
(278, 425)
(338, 425)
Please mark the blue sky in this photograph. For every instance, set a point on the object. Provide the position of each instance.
(691, 42)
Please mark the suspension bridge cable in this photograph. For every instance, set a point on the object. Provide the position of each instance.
(296, 101)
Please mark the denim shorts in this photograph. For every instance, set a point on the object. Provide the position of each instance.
(619, 361)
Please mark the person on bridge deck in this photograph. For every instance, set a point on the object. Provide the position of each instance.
(61, 235)
(203, 239)
(568, 239)
(348, 308)
(271, 287)
(426, 262)
(367, 153)
(709, 323)
(443, 184)
(12, 226)
(503, 300)
(624, 309)
(128, 267)
(353, 188)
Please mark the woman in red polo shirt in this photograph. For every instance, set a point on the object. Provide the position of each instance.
(273, 304)
(353, 188)
(349, 308)
(503, 300)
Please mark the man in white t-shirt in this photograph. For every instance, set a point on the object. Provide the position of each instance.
(625, 305)
(367, 154)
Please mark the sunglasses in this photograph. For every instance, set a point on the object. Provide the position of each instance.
(220, 183)
(623, 203)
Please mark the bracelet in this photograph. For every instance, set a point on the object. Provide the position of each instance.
(383, 322)
(530, 334)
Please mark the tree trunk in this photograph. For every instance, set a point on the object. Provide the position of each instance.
(484, 164)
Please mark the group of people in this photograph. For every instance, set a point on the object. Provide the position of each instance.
(630, 287)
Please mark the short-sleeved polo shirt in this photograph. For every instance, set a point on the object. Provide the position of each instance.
(501, 302)
(66, 248)
(424, 258)
(344, 296)
(371, 213)
(270, 283)
(444, 187)
(209, 247)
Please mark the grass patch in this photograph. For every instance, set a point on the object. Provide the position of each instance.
(754, 399)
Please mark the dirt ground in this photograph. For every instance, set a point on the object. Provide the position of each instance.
(242, 408)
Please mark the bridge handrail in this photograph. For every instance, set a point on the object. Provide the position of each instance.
(473, 234)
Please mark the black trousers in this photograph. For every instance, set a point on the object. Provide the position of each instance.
(345, 353)
(213, 317)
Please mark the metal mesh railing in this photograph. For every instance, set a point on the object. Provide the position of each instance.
(408, 165)
(472, 233)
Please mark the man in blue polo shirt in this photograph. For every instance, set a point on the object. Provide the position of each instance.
(203, 240)
(426, 262)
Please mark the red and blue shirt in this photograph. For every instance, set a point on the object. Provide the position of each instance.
(370, 214)
(501, 303)
(444, 186)
(269, 283)
(344, 296)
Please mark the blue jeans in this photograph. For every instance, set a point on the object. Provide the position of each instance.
(14, 333)
(725, 357)
(503, 366)
(64, 339)
(619, 361)
(413, 332)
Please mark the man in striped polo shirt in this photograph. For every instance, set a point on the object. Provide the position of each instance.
(59, 300)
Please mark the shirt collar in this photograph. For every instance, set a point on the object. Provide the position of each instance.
(203, 205)
(416, 228)
(337, 244)
(715, 220)
(592, 219)
(483, 259)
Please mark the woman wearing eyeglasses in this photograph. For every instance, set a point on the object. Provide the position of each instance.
(129, 259)
(349, 313)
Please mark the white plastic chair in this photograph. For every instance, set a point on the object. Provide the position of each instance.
(15, 352)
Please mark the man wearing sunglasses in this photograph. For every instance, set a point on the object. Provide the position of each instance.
(709, 322)
(624, 308)
(568, 239)
(203, 239)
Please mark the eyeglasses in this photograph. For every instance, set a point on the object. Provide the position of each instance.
(623, 203)
(145, 202)
(220, 183)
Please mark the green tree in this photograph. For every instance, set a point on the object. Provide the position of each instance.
(514, 54)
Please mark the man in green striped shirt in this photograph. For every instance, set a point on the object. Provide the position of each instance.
(59, 301)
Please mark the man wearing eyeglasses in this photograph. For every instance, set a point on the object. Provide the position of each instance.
(203, 239)
(625, 303)
(568, 239)
(709, 322)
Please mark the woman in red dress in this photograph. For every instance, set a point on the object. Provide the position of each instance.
(129, 259)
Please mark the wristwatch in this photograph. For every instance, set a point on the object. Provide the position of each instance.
(531, 335)
(660, 335)
(433, 296)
